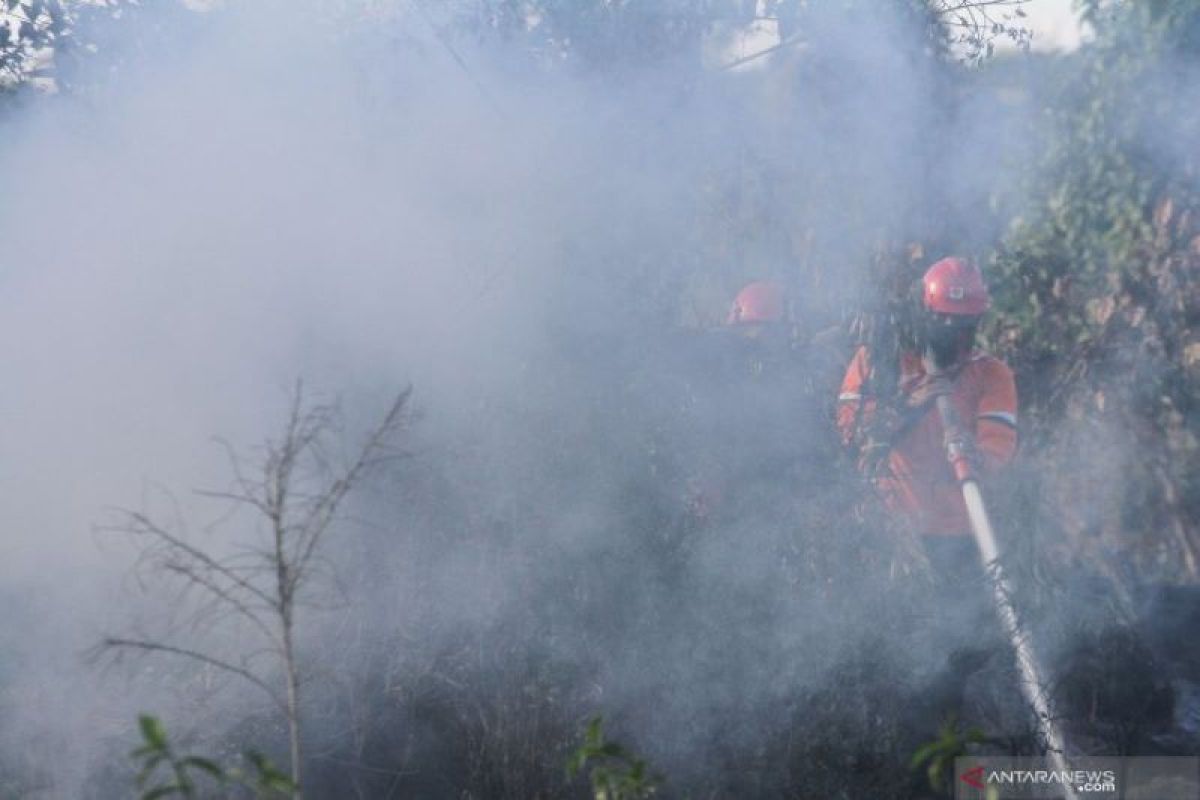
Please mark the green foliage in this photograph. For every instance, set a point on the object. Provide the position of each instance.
(266, 779)
(179, 773)
(30, 27)
(938, 756)
(156, 752)
(616, 774)
(46, 43)
(1098, 296)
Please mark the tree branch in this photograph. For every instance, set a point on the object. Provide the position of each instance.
(142, 525)
(195, 578)
(318, 522)
(116, 643)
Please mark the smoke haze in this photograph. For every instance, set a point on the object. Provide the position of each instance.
(274, 191)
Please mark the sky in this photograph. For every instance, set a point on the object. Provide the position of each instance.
(1055, 24)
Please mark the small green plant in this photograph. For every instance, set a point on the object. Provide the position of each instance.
(938, 755)
(616, 774)
(156, 756)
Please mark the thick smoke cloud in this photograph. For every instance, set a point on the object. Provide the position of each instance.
(273, 191)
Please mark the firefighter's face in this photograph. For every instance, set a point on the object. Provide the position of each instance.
(947, 339)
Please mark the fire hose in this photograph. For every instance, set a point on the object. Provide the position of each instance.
(1033, 686)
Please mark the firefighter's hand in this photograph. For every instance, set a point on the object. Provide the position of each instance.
(932, 386)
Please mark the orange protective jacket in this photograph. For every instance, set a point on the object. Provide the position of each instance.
(917, 481)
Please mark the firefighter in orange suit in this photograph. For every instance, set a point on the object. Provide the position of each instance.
(906, 454)
(912, 472)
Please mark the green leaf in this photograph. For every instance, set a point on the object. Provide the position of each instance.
(923, 754)
(934, 773)
(204, 765)
(153, 732)
(269, 776)
(595, 732)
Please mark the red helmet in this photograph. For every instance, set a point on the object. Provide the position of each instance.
(954, 286)
(761, 301)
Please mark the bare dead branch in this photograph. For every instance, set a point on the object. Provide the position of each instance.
(247, 491)
(116, 643)
(235, 498)
(140, 524)
(326, 509)
(198, 579)
(297, 496)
